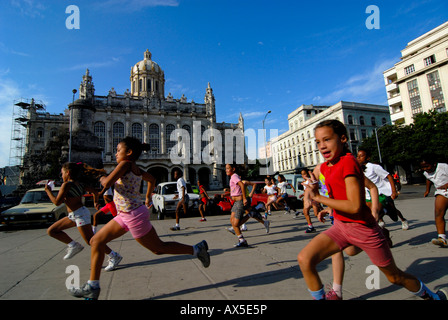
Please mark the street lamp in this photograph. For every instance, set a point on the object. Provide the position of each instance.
(378, 142)
(70, 130)
(265, 151)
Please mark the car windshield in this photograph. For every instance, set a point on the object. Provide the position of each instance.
(35, 197)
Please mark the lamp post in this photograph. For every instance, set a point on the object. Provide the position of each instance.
(378, 142)
(265, 151)
(70, 129)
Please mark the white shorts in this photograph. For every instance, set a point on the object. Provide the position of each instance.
(81, 216)
(441, 192)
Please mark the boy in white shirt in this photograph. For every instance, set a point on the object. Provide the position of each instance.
(386, 188)
(437, 174)
(182, 196)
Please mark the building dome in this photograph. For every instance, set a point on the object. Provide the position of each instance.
(147, 64)
(147, 78)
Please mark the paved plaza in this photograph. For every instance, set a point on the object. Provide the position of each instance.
(32, 268)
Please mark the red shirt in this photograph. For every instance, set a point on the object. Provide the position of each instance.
(110, 207)
(335, 181)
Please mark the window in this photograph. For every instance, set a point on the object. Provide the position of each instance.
(414, 96)
(430, 60)
(363, 134)
(117, 134)
(373, 121)
(352, 134)
(154, 140)
(350, 119)
(435, 88)
(361, 120)
(99, 130)
(137, 131)
(188, 129)
(148, 85)
(39, 133)
(169, 143)
(409, 69)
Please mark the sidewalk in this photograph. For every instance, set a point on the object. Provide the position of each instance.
(31, 264)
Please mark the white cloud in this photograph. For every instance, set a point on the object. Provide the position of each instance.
(30, 8)
(92, 65)
(251, 115)
(135, 5)
(363, 87)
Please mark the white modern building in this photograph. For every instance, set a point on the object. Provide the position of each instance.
(297, 147)
(419, 82)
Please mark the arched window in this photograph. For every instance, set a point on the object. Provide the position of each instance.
(188, 129)
(117, 134)
(350, 119)
(361, 120)
(169, 144)
(373, 121)
(154, 138)
(137, 131)
(99, 130)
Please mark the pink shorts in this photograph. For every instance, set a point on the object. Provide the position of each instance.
(368, 238)
(136, 221)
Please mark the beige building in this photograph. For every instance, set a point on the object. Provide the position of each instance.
(419, 82)
(297, 147)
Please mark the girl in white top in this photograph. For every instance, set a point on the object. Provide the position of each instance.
(271, 190)
(437, 174)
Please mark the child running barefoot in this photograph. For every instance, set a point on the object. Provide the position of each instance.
(437, 174)
(132, 216)
(353, 222)
(78, 178)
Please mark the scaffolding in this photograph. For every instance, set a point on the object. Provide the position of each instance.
(20, 118)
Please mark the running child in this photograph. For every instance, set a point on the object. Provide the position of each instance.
(353, 222)
(283, 195)
(307, 203)
(386, 188)
(132, 216)
(271, 190)
(78, 178)
(182, 197)
(240, 201)
(204, 200)
(108, 207)
(437, 174)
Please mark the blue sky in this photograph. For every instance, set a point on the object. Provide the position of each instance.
(257, 55)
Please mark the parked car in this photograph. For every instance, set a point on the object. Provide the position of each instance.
(262, 198)
(164, 202)
(221, 203)
(35, 207)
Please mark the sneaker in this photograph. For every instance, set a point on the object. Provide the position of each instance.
(243, 227)
(404, 225)
(85, 291)
(241, 244)
(267, 223)
(443, 295)
(440, 242)
(113, 262)
(381, 223)
(202, 254)
(72, 251)
(202, 220)
(175, 228)
(310, 229)
(332, 295)
(231, 230)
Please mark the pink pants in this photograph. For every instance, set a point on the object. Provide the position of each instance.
(136, 221)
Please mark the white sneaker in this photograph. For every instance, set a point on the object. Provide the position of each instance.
(243, 227)
(113, 262)
(404, 225)
(72, 251)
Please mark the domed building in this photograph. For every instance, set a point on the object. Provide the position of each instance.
(181, 134)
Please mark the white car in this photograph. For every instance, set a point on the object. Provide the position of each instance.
(164, 201)
(35, 207)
